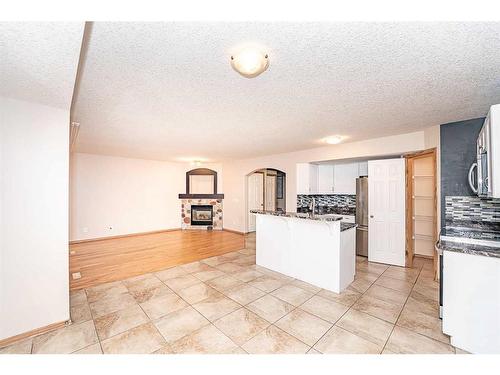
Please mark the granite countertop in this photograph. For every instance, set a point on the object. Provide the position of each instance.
(346, 226)
(307, 216)
(471, 239)
(337, 210)
(479, 233)
(468, 248)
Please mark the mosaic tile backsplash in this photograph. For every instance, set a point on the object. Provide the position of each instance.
(472, 209)
(328, 200)
(472, 217)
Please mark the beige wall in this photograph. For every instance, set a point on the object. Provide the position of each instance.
(34, 285)
(235, 171)
(135, 195)
(128, 195)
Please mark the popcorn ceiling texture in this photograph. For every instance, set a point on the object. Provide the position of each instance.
(39, 60)
(148, 87)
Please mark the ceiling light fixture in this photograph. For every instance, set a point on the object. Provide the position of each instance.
(333, 140)
(250, 62)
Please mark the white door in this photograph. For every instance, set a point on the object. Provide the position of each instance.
(255, 197)
(386, 211)
(270, 193)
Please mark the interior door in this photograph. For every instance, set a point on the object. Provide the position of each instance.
(386, 211)
(270, 193)
(255, 197)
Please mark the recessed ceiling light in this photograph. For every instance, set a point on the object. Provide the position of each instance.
(250, 62)
(333, 140)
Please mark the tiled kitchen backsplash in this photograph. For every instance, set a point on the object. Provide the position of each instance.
(344, 200)
(472, 210)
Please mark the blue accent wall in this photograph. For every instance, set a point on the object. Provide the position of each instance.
(458, 152)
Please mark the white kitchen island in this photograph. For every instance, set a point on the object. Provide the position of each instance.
(319, 250)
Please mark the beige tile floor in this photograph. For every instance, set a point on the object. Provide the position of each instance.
(227, 304)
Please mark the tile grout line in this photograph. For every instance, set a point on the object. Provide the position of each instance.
(266, 293)
(406, 301)
(348, 309)
(93, 317)
(190, 305)
(351, 308)
(418, 333)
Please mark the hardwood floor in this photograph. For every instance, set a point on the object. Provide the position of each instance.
(120, 258)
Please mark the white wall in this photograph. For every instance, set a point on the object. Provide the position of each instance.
(34, 151)
(129, 195)
(235, 171)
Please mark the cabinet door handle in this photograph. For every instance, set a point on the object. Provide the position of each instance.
(371, 216)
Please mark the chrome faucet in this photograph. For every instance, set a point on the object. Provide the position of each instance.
(312, 206)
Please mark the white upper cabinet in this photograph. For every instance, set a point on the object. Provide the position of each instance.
(325, 179)
(363, 168)
(345, 178)
(307, 178)
(329, 178)
(313, 178)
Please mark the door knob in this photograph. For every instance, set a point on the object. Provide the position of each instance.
(371, 216)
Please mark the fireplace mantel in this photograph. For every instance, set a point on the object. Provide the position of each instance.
(201, 196)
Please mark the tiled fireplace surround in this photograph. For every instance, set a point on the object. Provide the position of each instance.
(186, 213)
(190, 199)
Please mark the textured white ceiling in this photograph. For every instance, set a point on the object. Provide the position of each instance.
(39, 60)
(167, 90)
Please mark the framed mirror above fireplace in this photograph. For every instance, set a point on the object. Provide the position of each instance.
(201, 183)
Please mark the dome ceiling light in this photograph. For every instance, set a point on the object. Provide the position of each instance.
(334, 140)
(250, 62)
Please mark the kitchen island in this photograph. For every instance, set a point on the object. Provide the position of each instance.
(317, 249)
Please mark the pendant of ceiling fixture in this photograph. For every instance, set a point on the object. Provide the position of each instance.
(250, 62)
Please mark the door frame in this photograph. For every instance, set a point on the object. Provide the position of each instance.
(247, 208)
(266, 177)
(410, 158)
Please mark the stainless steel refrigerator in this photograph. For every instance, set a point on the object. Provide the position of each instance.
(362, 216)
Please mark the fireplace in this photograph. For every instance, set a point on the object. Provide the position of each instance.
(201, 205)
(202, 215)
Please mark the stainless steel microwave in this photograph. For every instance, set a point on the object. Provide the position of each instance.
(484, 173)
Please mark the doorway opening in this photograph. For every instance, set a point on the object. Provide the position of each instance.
(266, 190)
(421, 203)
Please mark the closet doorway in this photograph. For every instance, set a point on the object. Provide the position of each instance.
(421, 203)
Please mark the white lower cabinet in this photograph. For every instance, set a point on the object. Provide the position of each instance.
(471, 302)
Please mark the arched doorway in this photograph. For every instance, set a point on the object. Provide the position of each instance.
(265, 190)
